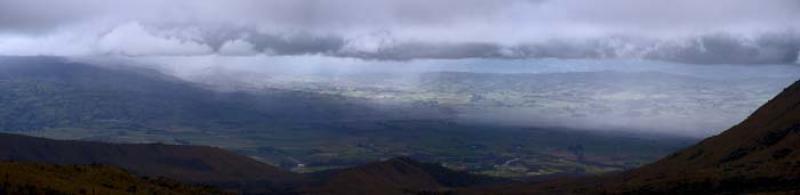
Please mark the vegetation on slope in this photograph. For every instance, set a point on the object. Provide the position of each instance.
(396, 176)
(194, 164)
(758, 155)
(36, 178)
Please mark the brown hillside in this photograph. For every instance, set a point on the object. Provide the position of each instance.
(36, 178)
(761, 154)
(195, 164)
(395, 176)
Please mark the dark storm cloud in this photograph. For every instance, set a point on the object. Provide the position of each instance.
(711, 31)
(296, 44)
(782, 48)
(408, 51)
(723, 48)
(31, 16)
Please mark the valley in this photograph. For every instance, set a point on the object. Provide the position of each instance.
(298, 130)
(399, 97)
(481, 149)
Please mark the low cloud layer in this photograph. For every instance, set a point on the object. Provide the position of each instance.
(703, 32)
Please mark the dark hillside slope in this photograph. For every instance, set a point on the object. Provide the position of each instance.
(225, 170)
(195, 164)
(761, 154)
(396, 176)
(37, 178)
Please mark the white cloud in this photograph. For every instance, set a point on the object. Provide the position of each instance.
(237, 47)
(134, 40)
(407, 28)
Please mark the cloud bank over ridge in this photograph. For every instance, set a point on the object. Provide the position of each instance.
(703, 32)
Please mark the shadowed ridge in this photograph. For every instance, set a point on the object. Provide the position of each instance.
(394, 176)
(194, 164)
(761, 154)
(400, 175)
(37, 178)
(766, 127)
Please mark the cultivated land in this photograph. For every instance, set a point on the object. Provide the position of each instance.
(295, 129)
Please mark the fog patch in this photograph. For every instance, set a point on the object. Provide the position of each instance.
(603, 95)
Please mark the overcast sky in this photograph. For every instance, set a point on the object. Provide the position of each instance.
(691, 31)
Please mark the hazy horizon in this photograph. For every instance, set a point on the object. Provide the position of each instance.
(635, 96)
(686, 51)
